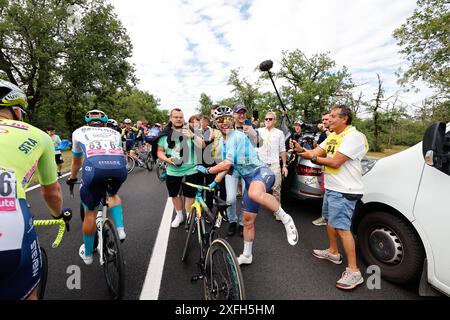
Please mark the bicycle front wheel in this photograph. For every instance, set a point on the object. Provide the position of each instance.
(223, 276)
(191, 221)
(44, 273)
(114, 266)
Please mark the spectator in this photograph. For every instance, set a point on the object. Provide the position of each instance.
(271, 150)
(341, 155)
(176, 148)
(56, 142)
(139, 139)
(211, 116)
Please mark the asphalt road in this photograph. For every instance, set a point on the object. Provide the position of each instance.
(279, 271)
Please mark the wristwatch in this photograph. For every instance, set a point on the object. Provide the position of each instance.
(314, 159)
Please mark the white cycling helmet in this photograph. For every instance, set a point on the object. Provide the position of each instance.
(127, 121)
(222, 112)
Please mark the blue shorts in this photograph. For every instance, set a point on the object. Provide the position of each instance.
(100, 176)
(338, 210)
(20, 270)
(129, 145)
(263, 175)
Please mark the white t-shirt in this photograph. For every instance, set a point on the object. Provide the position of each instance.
(349, 177)
(272, 147)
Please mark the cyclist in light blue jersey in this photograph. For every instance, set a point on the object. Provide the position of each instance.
(239, 154)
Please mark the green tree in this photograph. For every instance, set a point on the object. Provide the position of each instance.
(314, 83)
(205, 103)
(63, 52)
(424, 39)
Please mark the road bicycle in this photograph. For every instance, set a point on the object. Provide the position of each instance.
(217, 266)
(63, 225)
(145, 158)
(108, 246)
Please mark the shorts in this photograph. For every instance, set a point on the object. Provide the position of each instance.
(263, 175)
(59, 159)
(129, 145)
(97, 182)
(174, 184)
(338, 210)
(20, 270)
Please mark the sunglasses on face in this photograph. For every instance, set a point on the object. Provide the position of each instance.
(223, 119)
(268, 119)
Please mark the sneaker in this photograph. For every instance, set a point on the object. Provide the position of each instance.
(241, 231)
(244, 259)
(232, 229)
(349, 280)
(177, 221)
(87, 259)
(122, 234)
(320, 222)
(325, 254)
(291, 231)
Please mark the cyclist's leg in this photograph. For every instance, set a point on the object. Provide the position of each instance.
(117, 177)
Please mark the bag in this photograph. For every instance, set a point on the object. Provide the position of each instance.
(352, 197)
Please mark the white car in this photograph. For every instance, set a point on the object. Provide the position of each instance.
(402, 223)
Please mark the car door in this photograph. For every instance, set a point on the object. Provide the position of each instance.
(432, 211)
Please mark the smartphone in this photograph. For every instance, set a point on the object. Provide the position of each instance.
(247, 122)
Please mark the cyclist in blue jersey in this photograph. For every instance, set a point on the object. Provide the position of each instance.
(104, 170)
(239, 154)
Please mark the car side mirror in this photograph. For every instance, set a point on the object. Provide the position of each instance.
(436, 147)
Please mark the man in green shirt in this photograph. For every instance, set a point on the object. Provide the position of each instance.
(176, 147)
(56, 142)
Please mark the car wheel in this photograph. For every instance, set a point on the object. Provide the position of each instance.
(392, 244)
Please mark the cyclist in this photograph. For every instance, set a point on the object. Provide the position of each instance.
(113, 125)
(129, 133)
(24, 149)
(104, 170)
(238, 152)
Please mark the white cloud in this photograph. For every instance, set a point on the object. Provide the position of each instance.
(182, 48)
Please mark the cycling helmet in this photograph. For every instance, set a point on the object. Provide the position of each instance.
(100, 116)
(222, 112)
(112, 122)
(127, 121)
(11, 95)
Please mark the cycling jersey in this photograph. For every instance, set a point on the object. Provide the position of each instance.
(25, 150)
(104, 160)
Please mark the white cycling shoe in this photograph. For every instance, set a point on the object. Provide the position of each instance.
(87, 259)
(291, 231)
(122, 234)
(244, 259)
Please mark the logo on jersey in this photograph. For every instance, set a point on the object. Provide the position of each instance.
(21, 126)
(28, 146)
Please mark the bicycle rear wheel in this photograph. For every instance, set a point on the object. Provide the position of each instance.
(114, 266)
(131, 163)
(223, 276)
(43, 282)
(192, 222)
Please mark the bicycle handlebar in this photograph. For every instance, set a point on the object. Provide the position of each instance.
(199, 187)
(62, 227)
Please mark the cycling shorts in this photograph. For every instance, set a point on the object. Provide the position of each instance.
(20, 270)
(263, 175)
(100, 177)
(129, 145)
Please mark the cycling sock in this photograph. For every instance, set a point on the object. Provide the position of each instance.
(117, 215)
(248, 248)
(179, 213)
(283, 215)
(88, 240)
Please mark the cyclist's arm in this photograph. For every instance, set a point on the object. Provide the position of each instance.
(223, 166)
(76, 166)
(53, 197)
(220, 176)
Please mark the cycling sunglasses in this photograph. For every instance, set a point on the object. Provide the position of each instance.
(223, 119)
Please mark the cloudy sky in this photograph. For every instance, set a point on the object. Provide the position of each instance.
(185, 47)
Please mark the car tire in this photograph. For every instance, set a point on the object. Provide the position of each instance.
(391, 243)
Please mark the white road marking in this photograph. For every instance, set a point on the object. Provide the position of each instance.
(152, 283)
(38, 185)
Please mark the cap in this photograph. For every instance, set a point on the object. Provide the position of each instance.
(239, 107)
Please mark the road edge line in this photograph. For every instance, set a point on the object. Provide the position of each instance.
(152, 282)
(38, 185)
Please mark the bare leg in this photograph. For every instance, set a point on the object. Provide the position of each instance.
(349, 246)
(249, 226)
(332, 238)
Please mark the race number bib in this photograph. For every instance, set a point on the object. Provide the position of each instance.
(103, 147)
(8, 190)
